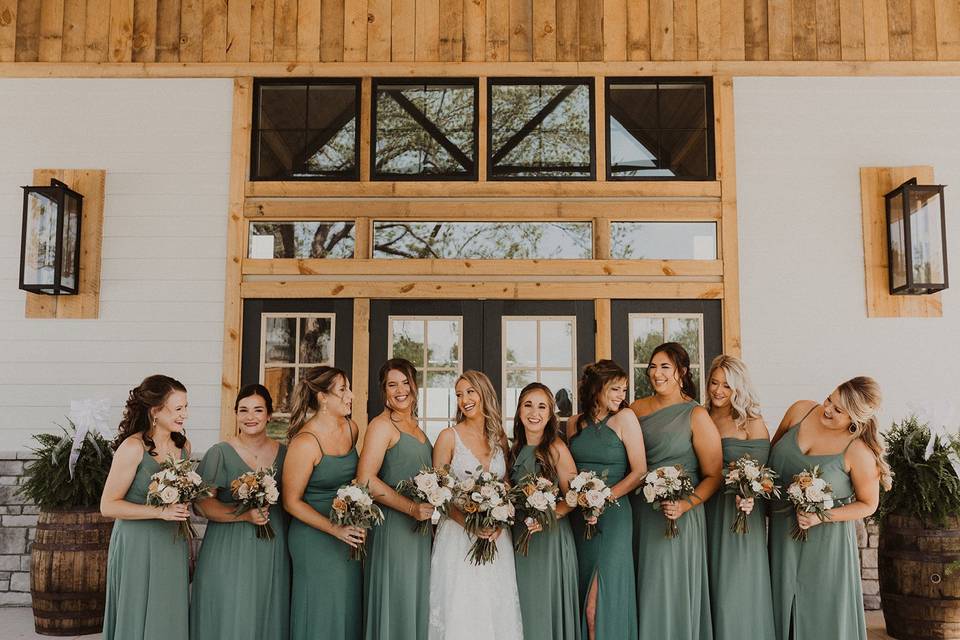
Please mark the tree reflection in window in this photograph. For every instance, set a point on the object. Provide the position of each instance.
(483, 240)
(301, 240)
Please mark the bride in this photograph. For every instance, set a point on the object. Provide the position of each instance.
(468, 601)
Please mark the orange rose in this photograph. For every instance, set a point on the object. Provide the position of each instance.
(529, 490)
(767, 485)
(805, 481)
(582, 500)
(235, 485)
(471, 507)
(339, 504)
(153, 487)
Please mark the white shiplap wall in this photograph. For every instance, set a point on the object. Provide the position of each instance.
(165, 145)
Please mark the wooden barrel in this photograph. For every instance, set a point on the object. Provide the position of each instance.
(68, 579)
(919, 589)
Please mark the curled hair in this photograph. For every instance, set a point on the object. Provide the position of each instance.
(255, 390)
(405, 367)
(860, 397)
(744, 405)
(312, 382)
(150, 394)
(492, 420)
(551, 431)
(594, 381)
(681, 362)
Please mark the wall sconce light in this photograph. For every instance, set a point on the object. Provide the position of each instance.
(916, 239)
(50, 245)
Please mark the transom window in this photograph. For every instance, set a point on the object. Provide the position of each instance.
(301, 240)
(647, 331)
(482, 240)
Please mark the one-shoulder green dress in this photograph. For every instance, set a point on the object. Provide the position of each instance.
(608, 555)
(148, 576)
(397, 578)
(739, 565)
(547, 575)
(816, 584)
(673, 589)
(327, 593)
(241, 585)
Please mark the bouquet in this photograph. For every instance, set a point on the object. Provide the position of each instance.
(810, 493)
(178, 482)
(748, 478)
(535, 498)
(354, 507)
(431, 485)
(485, 503)
(591, 493)
(666, 484)
(256, 490)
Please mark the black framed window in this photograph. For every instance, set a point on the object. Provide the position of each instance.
(306, 130)
(541, 129)
(424, 129)
(660, 129)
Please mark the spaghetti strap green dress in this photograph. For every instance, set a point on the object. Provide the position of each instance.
(607, 556)
(148, 577)
(547, 575)
(327, 593)
(397, 570)
(816, 584)
(241, 585)
(739, 565)
(673, 588)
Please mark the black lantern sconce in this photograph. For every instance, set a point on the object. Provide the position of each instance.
(916, 239)
(50, 245)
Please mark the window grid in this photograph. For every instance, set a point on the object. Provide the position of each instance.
(665, 318)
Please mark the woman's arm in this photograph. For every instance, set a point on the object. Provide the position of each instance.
(628, 427)
(709, 450)
(122, 472)
(376, 442)
(866, 489)
(566, 470)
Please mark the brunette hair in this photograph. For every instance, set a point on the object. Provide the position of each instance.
(594, 381)
(860, 397)
(405, 367)
(492, 419)
(312, 381)
(551, 431)
(151, 393)
(255, 390)
(681, 362)
(744, 405)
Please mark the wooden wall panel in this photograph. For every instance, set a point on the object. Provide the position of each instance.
(638, 30)
(306, 18)
(214, 30)
(661, 30)
(948, 29)
(427, 33)
(8, 30)
(900, 27)
(145, 31)
(74, 30)
(828, 30)
(474, 30)
(239, 25)
(685, 29)
(755, 33)
(732, 29)
(568, 29)
(876, 34)
(613, 29)
(498, 30)
(168, 30)
(331, 31)
(924, 30)
(403, 20)
(804, 29)
(28, 31)
(355, 31)
(591, 30)
(521, 31)
(851, 30)
(451, 30)
(544, 19)
(191, 30)
(50, 47)
(780, 29)
(378, 30)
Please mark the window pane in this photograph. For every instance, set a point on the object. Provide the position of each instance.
(316, 341)
(925, 238)
(277, 153)
(443, 343)
(686, 331)
(695, 374)
(641, 383)
(41, 240)
(683, 106)
(520, 341)
(663, 240)
(898, 243)
(279, 339)
(408, 341)
(282, 107)
(277, 427)
(301, 240)
(439, 395)
(71, 221)
(434, 427)
(279, 382)
(646, 334)
(483, 240)
(561, 383)
(684, 152)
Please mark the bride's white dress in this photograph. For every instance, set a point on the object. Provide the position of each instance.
(466, 601)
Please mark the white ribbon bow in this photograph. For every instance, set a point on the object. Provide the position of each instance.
(943, 420)
(88, 417)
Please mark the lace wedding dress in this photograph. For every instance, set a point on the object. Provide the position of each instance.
(470, 602)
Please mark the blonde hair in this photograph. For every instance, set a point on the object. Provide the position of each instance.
(312, 382)
(744, 405)
(492, 419)
(860, 398)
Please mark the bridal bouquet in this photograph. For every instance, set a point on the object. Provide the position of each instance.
(591, 493)
(667, 484)
(178, 482)
(810, 493)
(431, 485)
(535, 499)
(354, 507)
(485, 503)
(748, 478)
(256, 490)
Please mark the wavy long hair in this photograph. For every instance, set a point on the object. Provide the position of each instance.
(594, 381)
(744, 405)
(551, 430)
(305, 404)
(150, 394)
(860, 397)
(681, 362)
(405, 367)
(492, 419)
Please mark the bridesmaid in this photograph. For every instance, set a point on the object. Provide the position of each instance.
(397, 580)
(327, 585)
(816, 584)
(147, 565)
(739, 565)
(673, 590)
(231, 553)
(547, 575)
(605, 437)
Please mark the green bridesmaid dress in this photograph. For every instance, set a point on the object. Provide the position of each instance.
(147, 573)
(739, 565)
(547, 575)
(608, 555)
(673, 590)
(241, 585)
(327, 585)
(816, 584)
(397, 577)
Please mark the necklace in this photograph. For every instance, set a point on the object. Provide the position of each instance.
(255, 453)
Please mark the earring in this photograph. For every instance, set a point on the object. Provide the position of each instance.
(853, 428)
(323, 408)
(154, 423)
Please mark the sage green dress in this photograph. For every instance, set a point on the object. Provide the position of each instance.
(397, 570)
(816, 584)
(673, 588)
(607, 556)
(148, 577)
(739, 565)
(231, 555)
(327, 592)
(547, 575)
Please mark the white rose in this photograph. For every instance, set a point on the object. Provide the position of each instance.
(819, 483)
(578, 481)
(445, 495)
(476, 497)
(795, 492)
(756, 486)
(828, 503)
(501, 512)
(751, 471)
(487, 491)
(169, 475)
(365, 500)
(169, 495)
(494, 500)
(733, 477)
(435, 497)
(595, 498)
(272, 495)
(243, 492)
(649, 493)
(814, 494)
(468, 484)
(543, 483)
(426, 482)
(354, 493)
(538, 501)
(652, 478)
(671, 472)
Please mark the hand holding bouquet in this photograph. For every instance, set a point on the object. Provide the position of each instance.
(433, 486)
(354, 507)
(256, 490)
(748, 479)
(485, 503)
(667, 484)
(177, 482)
(535, 498)
(810, 493)
(591, 493)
